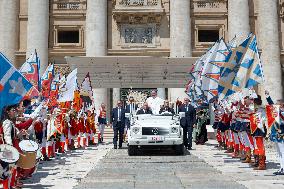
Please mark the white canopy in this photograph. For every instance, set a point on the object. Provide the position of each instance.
(133, 71)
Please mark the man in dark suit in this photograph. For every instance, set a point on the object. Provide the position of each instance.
(166, 108)
(187, 122)
(118, 123)
(131, 107)
(144, 110)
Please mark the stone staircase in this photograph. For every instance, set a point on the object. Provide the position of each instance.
(108, 135)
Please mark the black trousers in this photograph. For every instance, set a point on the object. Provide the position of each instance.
(187, 136)
(118, 129)
(39, 137)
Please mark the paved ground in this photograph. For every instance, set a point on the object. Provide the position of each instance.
(103, 167)
(154, 170)
(240, 172)
(65, 171)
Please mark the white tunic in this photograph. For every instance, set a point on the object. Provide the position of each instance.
(7, 130)
(155, 104)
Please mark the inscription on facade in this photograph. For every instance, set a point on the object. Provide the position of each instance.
(138, 2)
(139, 35)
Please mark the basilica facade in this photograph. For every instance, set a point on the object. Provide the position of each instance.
(163, 28)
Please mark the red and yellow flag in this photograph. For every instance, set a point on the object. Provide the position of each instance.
(253, 123)
(270, 114)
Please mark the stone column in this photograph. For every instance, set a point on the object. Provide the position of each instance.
(238, 19)
(37, 31)
(115, 96)
(8, 29)
(96, 40)
(180, 37)
(161, 92)
(268, 30)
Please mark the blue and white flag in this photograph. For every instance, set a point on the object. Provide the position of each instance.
(233, 43)
(211, 72)
(13, 85)
(242, 70)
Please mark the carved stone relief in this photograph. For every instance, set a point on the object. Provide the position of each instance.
(139, 35)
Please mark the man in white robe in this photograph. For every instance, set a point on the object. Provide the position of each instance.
(155, 102)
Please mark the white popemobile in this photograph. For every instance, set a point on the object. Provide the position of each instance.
(155, 130)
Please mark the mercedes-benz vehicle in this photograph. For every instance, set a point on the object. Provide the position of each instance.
(155, 131)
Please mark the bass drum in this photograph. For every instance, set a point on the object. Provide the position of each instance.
(8, 158)
(27, 173)
(28, 158)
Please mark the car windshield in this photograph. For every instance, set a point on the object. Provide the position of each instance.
(165, 114)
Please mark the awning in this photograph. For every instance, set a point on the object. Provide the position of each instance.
(133, 71)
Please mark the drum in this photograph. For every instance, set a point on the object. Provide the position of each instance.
(38, 157)
(8, 158)
(27, 158)
(24, 173)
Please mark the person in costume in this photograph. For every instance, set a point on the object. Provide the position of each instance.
(90, 122)
(258, 132)
(102, 122)
(12, 132)
(277, 130)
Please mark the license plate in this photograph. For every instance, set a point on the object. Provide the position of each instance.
(156, 138)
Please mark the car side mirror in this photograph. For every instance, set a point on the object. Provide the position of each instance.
(127, 115)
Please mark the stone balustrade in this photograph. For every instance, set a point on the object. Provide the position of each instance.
(139, 3)
(213, 6)
(69, 5)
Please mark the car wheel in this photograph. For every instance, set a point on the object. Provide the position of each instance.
(179, 149)
(132, 150)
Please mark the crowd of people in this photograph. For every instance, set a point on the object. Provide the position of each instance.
(35, 132)
(239, 126)
(242, 127)
(32, 131)
(193, 121)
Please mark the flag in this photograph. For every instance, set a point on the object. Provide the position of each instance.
(46, 80)
(211, 72)
(242, 70)
(272, 115)
(193, 87)
(13, 85)
(30, 70)
(233, 43)
(53, 95)
(255, 122)
(77, 102)
(86, 90)
(66, 89)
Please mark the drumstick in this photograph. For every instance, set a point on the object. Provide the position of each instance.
(31, 143)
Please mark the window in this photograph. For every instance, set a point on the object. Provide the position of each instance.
(208, 35)
(68, 36)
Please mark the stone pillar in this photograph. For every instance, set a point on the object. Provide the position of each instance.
(115, 96)
(268, 30)
(96, 40)
(37, 31)
(180, 38)
(8, 29)
(161, 92)
(238, 19)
